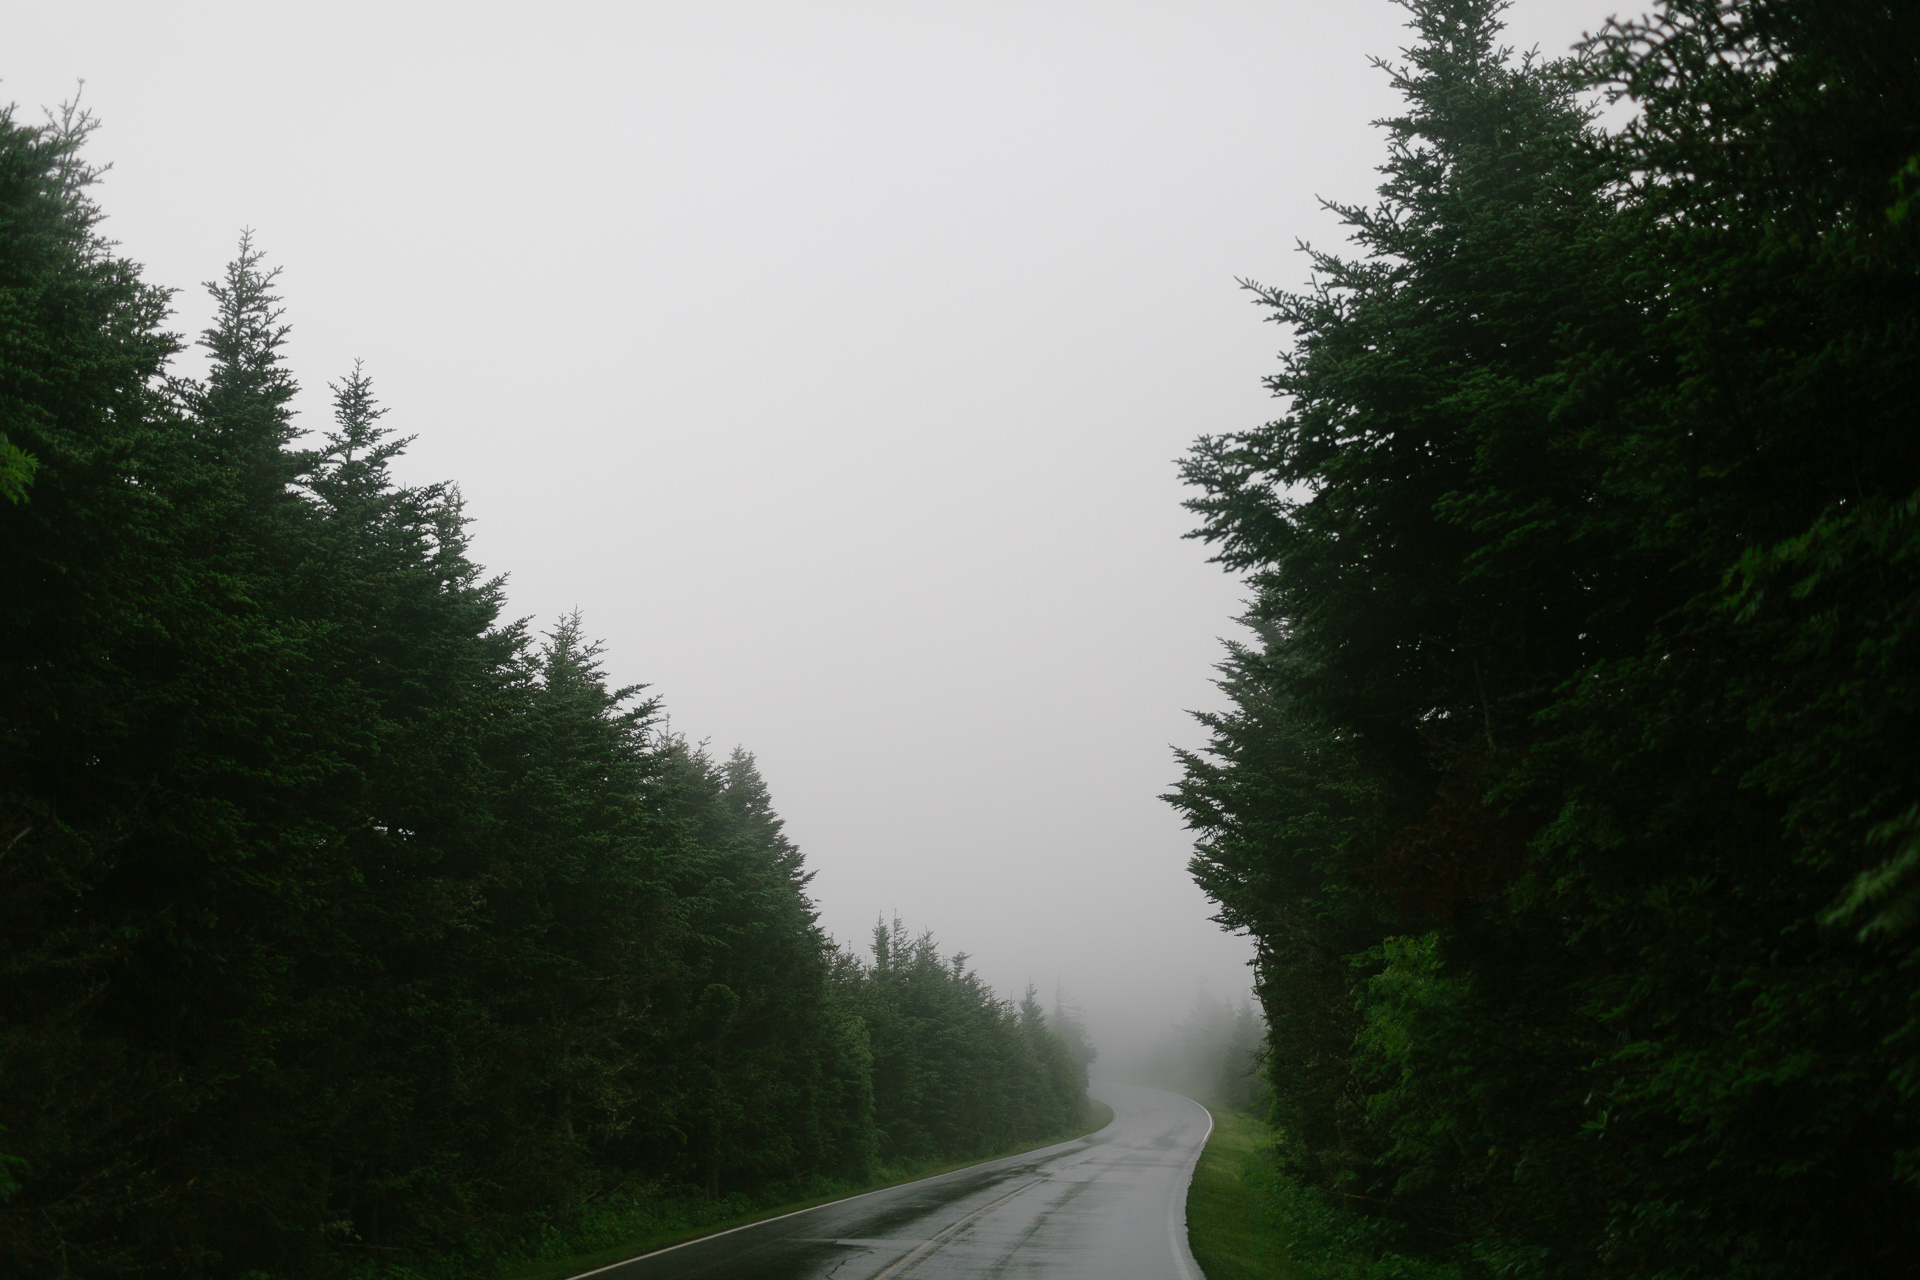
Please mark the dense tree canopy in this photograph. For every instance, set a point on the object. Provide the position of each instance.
(345, 920)
(1568, 785)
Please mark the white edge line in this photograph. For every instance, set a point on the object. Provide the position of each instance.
(654, 1253)
(1177, 1208)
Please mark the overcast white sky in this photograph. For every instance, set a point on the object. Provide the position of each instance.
(832, 357)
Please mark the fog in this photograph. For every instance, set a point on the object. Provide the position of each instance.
(832, 358)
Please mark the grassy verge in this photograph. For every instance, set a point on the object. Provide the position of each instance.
(1247, 1220)
(1230, 1226)
(643, 1226)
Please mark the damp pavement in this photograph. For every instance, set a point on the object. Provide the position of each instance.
(1109, 1206)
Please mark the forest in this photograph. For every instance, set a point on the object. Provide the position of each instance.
(347, 921)
(1567, 777)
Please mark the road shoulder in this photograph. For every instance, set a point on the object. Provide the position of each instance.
(1229, 1228)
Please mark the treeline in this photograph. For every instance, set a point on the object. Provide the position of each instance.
(344, 920)
(1569, 787)
(955, 1069)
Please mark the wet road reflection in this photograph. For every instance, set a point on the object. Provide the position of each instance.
(1109, 1206)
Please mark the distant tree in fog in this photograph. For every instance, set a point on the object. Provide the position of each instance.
(1213, 1055)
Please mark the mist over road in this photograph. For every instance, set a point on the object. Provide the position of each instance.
(1109, 1206)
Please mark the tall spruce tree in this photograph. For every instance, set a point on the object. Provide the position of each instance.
(1572, 714)
(96, 614)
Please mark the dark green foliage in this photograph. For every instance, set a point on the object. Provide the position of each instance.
(1569, 792)
(955, 1069)
(343, 922)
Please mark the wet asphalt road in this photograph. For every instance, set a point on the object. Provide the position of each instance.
(1109, 1206)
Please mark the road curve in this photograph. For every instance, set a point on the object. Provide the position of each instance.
(1109, 1206)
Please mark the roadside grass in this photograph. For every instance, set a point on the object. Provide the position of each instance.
(1247, 1220)
(1230, 1226)
(643, 1224)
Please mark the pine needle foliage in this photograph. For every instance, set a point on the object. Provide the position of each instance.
(1567, 787)
(347, 924)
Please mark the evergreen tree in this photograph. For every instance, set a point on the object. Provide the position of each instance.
(343, 920)
(1580, 697)
(956, 1070)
